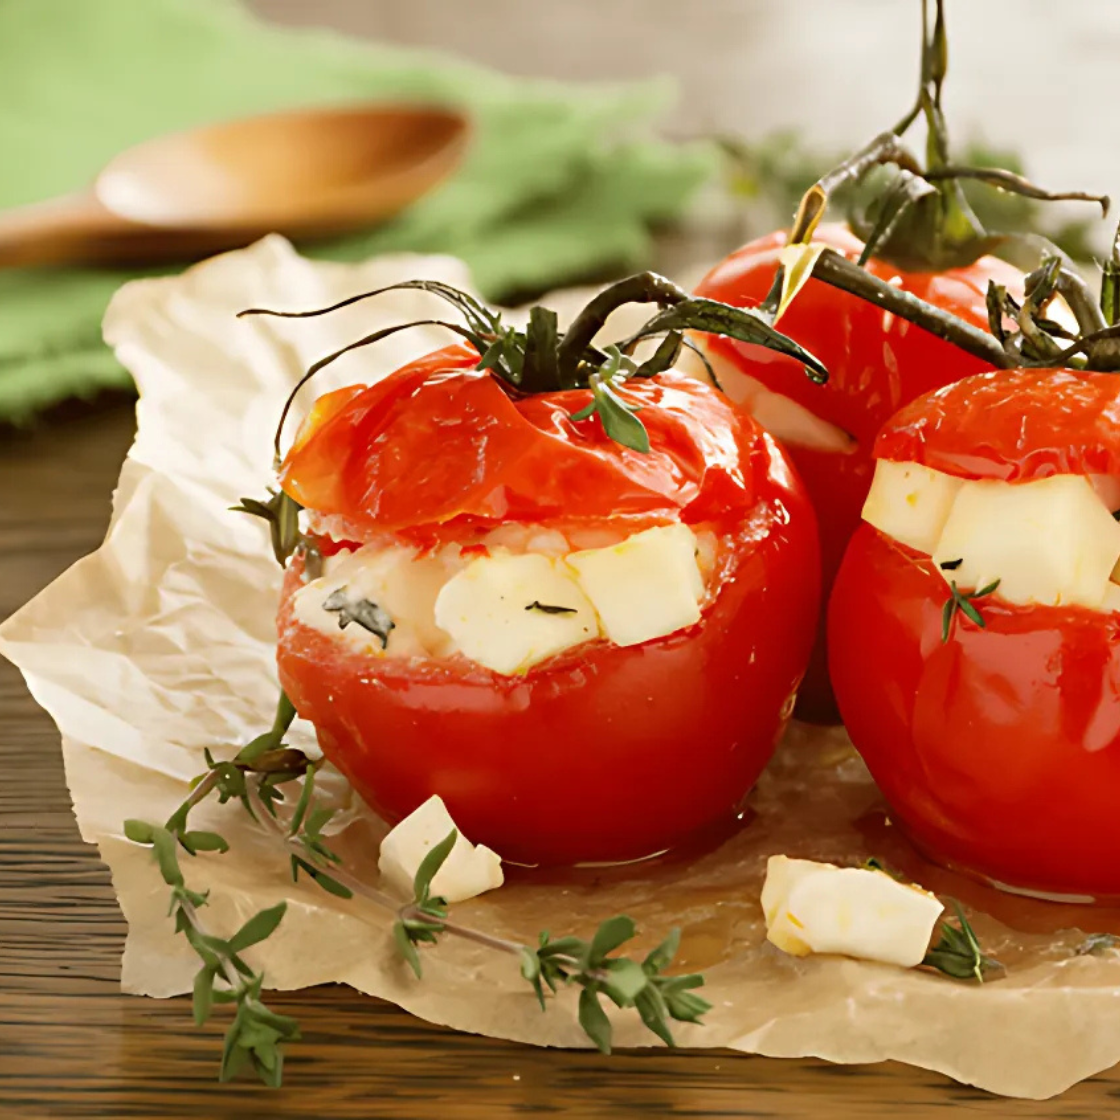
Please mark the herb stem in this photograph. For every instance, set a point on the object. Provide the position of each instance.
(410, 911)
(837, 270)
(229, 972)
(372, 894)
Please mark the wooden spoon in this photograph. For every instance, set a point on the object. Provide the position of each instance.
(307, 173)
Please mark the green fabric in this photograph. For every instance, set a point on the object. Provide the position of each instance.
(559, 183)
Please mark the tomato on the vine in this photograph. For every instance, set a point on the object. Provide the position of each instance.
(877, 363)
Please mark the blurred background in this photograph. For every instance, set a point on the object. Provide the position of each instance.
(1030, 74)
(608, 134)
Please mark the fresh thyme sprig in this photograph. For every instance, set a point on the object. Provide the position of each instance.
(958, 953)
(555, 962)
(253, 776)
(963, 602)
(256, 1035)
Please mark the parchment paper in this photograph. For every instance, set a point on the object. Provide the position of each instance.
(161, 643)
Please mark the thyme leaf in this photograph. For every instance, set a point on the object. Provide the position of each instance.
(365, 613)
(549, 608)
(257, 1036)
(543, 359)
(281, 512)
(963, 602)
(958, 953)
(1097, 944)
(617, 415)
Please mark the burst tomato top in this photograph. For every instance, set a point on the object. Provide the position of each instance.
(440, 444)
(1013, 425)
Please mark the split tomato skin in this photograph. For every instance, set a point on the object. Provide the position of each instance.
(998, 750)
(603, 752)
(442, 442)
(877, 363)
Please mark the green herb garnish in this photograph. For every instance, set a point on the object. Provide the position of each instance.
(281, 513)
(257, 777)
(958, 953)
(1097, 944)
(549, 608)
(543, 359)
(963, 601)
(365, 613)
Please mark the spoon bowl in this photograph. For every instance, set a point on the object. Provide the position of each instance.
(303, 173)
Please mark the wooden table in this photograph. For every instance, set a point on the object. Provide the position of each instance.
(72, 1046)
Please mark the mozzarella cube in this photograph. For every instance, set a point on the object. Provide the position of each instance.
(508, 612)
(1052, 541)
(469, 870)
(645, 587)
(820, 908)
(910, 503)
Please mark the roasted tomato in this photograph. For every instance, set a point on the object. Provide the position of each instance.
(588, 651)
(974, 634)
(877, 363)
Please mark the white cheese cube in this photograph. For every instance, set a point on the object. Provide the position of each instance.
(646, 586)
(509, 612)
(469, 870)
(820, 908)
(1051, 541)
(910, 503)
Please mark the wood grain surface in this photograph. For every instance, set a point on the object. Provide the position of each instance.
(72, 1046)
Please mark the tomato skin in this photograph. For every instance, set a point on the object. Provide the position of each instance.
(876, 363)
(1014, 425)
(603, 753)
(439, 441)
(999, 750)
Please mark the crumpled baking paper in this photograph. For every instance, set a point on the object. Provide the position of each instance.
(161, 644)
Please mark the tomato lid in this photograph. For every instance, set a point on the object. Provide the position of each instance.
(440, 439)
(1013, 425)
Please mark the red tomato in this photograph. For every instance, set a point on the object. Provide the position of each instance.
(876, 363)
(602, 752)
(998, 750)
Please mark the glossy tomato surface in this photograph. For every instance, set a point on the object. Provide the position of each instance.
(1014, 425)
(440, 442)
(876, 362)
(603, 752)
(998, 750)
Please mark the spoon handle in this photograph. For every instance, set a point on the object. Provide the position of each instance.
(71, 229)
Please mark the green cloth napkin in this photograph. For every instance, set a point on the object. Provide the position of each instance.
(559, 183)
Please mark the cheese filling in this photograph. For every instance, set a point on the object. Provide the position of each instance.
(519, 596)
(1051, 541)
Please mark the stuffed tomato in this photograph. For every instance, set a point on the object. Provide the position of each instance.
(974, 633)
(588, 650)
(877, 363)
